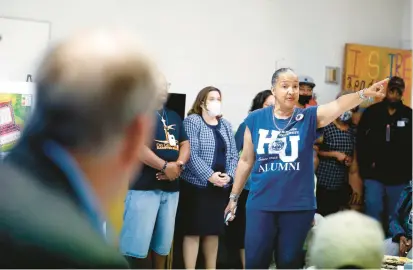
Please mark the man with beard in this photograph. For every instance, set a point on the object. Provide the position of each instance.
(384, 151)
(307, 85)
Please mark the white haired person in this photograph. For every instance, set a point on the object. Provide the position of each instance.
(278, 154)
(95, 102)
(347, 240)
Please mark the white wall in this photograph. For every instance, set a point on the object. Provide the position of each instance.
(22, 44)
(407, 25)
(233, 44)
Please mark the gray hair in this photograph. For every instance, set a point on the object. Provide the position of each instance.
(278, 73)
(346, 239)
(92, 86)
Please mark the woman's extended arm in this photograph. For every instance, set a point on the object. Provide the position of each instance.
(327, 113)
(245, 164)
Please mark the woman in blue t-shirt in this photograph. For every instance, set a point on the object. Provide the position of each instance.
(236, 230)
(278, 154)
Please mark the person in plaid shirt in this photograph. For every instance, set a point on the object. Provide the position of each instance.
(336, 156)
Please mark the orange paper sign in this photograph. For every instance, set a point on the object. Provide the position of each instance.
(365, 65)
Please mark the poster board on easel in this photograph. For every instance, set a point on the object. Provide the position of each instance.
(16, 105)
(365, 65)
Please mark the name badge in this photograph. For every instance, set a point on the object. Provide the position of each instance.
(172, 140)
(401, 123)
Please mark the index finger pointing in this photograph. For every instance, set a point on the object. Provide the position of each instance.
(382, 82)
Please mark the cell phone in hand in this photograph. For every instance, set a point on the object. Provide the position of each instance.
(228, 215)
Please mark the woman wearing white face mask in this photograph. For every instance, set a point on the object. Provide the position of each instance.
(208, 175)
(336, 163)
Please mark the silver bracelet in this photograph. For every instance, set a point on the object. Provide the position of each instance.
(234, 197)
(363, 97)
(361, 94)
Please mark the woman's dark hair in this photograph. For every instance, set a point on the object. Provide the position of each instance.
(259, 100)
(201, 98)
(277, 74)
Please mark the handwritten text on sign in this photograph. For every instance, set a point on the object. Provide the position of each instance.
(365, 65)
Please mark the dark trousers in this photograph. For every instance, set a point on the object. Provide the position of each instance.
(282, 232)
(332, 201)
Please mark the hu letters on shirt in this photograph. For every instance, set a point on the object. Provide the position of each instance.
(271, 150)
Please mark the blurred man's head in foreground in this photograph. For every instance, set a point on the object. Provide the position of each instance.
(347, 240)
(96, 94)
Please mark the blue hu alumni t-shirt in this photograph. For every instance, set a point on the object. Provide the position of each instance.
(169, 129)
(282, 178)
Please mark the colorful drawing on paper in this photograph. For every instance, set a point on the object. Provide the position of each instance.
(14, 110)
(365, 65)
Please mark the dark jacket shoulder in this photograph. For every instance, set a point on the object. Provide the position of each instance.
(374, 107)
(44, 228)
(381, 106)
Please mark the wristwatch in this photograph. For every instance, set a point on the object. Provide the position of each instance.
(182, 165)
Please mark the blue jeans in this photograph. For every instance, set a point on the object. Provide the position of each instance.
(285, 232)
(148, 222)
(381, 200)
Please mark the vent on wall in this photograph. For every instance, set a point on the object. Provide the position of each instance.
(332, 75)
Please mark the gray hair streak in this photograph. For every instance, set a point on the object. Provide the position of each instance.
(91, 87)
(347, 238)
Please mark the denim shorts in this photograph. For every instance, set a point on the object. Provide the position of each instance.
(148, 222)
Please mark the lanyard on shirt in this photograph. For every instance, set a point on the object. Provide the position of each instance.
(164, 118)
